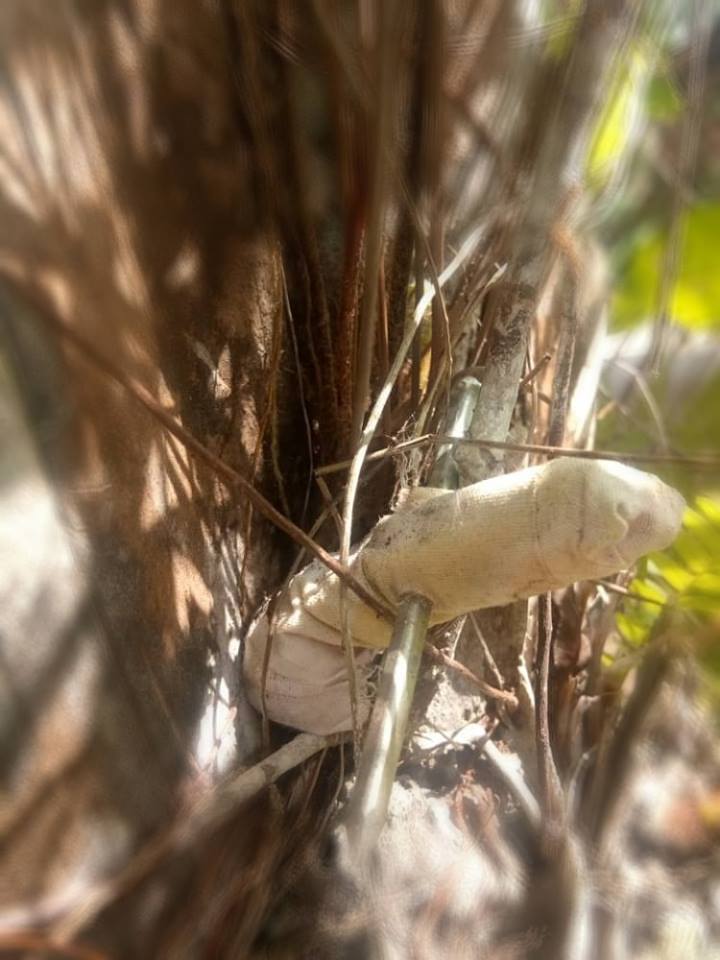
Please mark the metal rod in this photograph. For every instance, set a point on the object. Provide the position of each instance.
(444, 472)
(367, 808)
(385, 735)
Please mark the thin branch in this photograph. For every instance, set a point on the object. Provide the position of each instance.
(624, 592)
(356, 464)
(349, 652)
(489, 659)
(643, 388)
(200, 452)
(509, 699)
(383, 345)
(514, 781)
(207, 816)
(535, 370)
(614, 764)
(708, 460)
(551, 791)
(301, 388)
(566, 355)
(331, 509)
(381, 115)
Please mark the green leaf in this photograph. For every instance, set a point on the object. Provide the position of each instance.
(664, 102)
(673, 572)
(620, 117)
(689, 547)
(710, 511)
(695, 300)
(685, 575)
(635, 625)
(650, 591)
(703, 595)
(703, 532)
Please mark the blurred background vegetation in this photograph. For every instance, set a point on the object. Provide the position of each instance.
(655, 168)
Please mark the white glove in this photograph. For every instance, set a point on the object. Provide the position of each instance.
(485, 545)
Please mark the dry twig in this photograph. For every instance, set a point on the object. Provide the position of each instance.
(207, 816)
(707, 461)
(198, 450)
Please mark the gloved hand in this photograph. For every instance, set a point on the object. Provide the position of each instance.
(484, 545)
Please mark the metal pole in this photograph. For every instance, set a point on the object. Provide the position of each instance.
(367, 808)
(386, 730)
(444, 472)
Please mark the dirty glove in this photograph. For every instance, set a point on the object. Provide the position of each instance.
(484, 545)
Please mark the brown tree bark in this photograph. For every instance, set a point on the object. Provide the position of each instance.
(130, 210)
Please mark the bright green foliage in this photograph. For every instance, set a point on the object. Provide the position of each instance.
(695, 300)
(621, 118)
(686, 576)
(649, 93)
(664, 102)
(637, 618)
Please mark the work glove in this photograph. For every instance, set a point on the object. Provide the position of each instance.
(484, 545)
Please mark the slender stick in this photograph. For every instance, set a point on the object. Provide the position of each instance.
(515, 781)
(200, 821)
(509, 699)
(200, 452)
(358, 459)
(551, 792)
(382, 114)
(356, 464)
(709, 460)
(535, 370)
(566, 354)
(614, 763)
